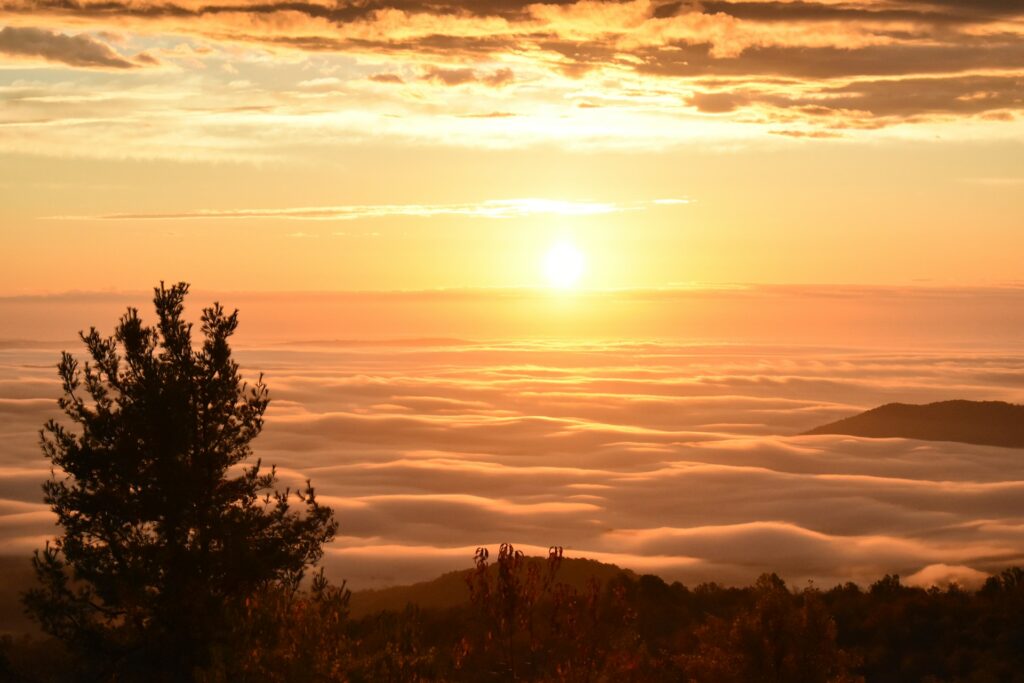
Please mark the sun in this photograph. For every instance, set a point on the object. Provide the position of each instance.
(563, 265)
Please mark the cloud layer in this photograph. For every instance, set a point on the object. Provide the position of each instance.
(80, 50)
(493, 208)
(662, 457)
(616, 73)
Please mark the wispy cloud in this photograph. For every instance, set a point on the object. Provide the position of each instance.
(492, 208)
(1006, 181)
(79, 50)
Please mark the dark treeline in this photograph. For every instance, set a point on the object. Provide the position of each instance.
(178, 559)
(523, 623)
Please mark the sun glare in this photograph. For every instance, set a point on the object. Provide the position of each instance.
(563, 265)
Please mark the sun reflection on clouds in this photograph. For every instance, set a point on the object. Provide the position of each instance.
(658, 456)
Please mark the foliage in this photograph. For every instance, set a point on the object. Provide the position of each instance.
(524, 624)
(778, 639)
(166, 530)
(508, 636)
(280, 634)
(626, 629)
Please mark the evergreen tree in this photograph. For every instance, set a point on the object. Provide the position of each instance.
(166, 529)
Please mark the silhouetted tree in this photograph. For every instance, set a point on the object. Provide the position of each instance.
(166, 528)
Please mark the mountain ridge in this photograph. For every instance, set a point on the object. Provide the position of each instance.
(450, 589)
(983, 423)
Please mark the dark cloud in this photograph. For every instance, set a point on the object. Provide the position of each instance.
(787, 56)
(692, 61)
(717, 102)
(340, 12)
(799, 11)
(924, 11)
(913, 96)
(878, 102)
(885, 83)
(498, 77)
(494, 79)
(80, 50)
(450, 76)
(991, 8)
(667, 10)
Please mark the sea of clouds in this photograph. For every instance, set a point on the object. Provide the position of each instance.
(681, 459)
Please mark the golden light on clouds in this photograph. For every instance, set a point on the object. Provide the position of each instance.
(429, 440)
(796, 133)
(570, 272)
(201, 77)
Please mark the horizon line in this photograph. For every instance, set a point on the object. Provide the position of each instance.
(547, 292)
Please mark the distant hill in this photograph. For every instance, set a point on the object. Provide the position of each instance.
(446, 590)
(987, 423)
(451, 589)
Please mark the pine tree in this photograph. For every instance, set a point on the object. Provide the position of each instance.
(166, 528)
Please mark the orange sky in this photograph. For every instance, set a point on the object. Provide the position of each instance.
(404, 145)
(785, 212)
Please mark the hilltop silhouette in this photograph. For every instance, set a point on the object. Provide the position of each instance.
(986, 423)
(450, 589)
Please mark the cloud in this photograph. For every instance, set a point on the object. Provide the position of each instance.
(452, 77)
(658, 455)
(943, 575)
(492, 208)
(80, 50)
(829, 62)
(1007, 181)
(878, 102)
(716, 103)
(328, 83)
(812, 69)
(387, 78)
(941, 13)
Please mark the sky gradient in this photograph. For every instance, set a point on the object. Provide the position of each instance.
(413, 145)
(782, 213)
